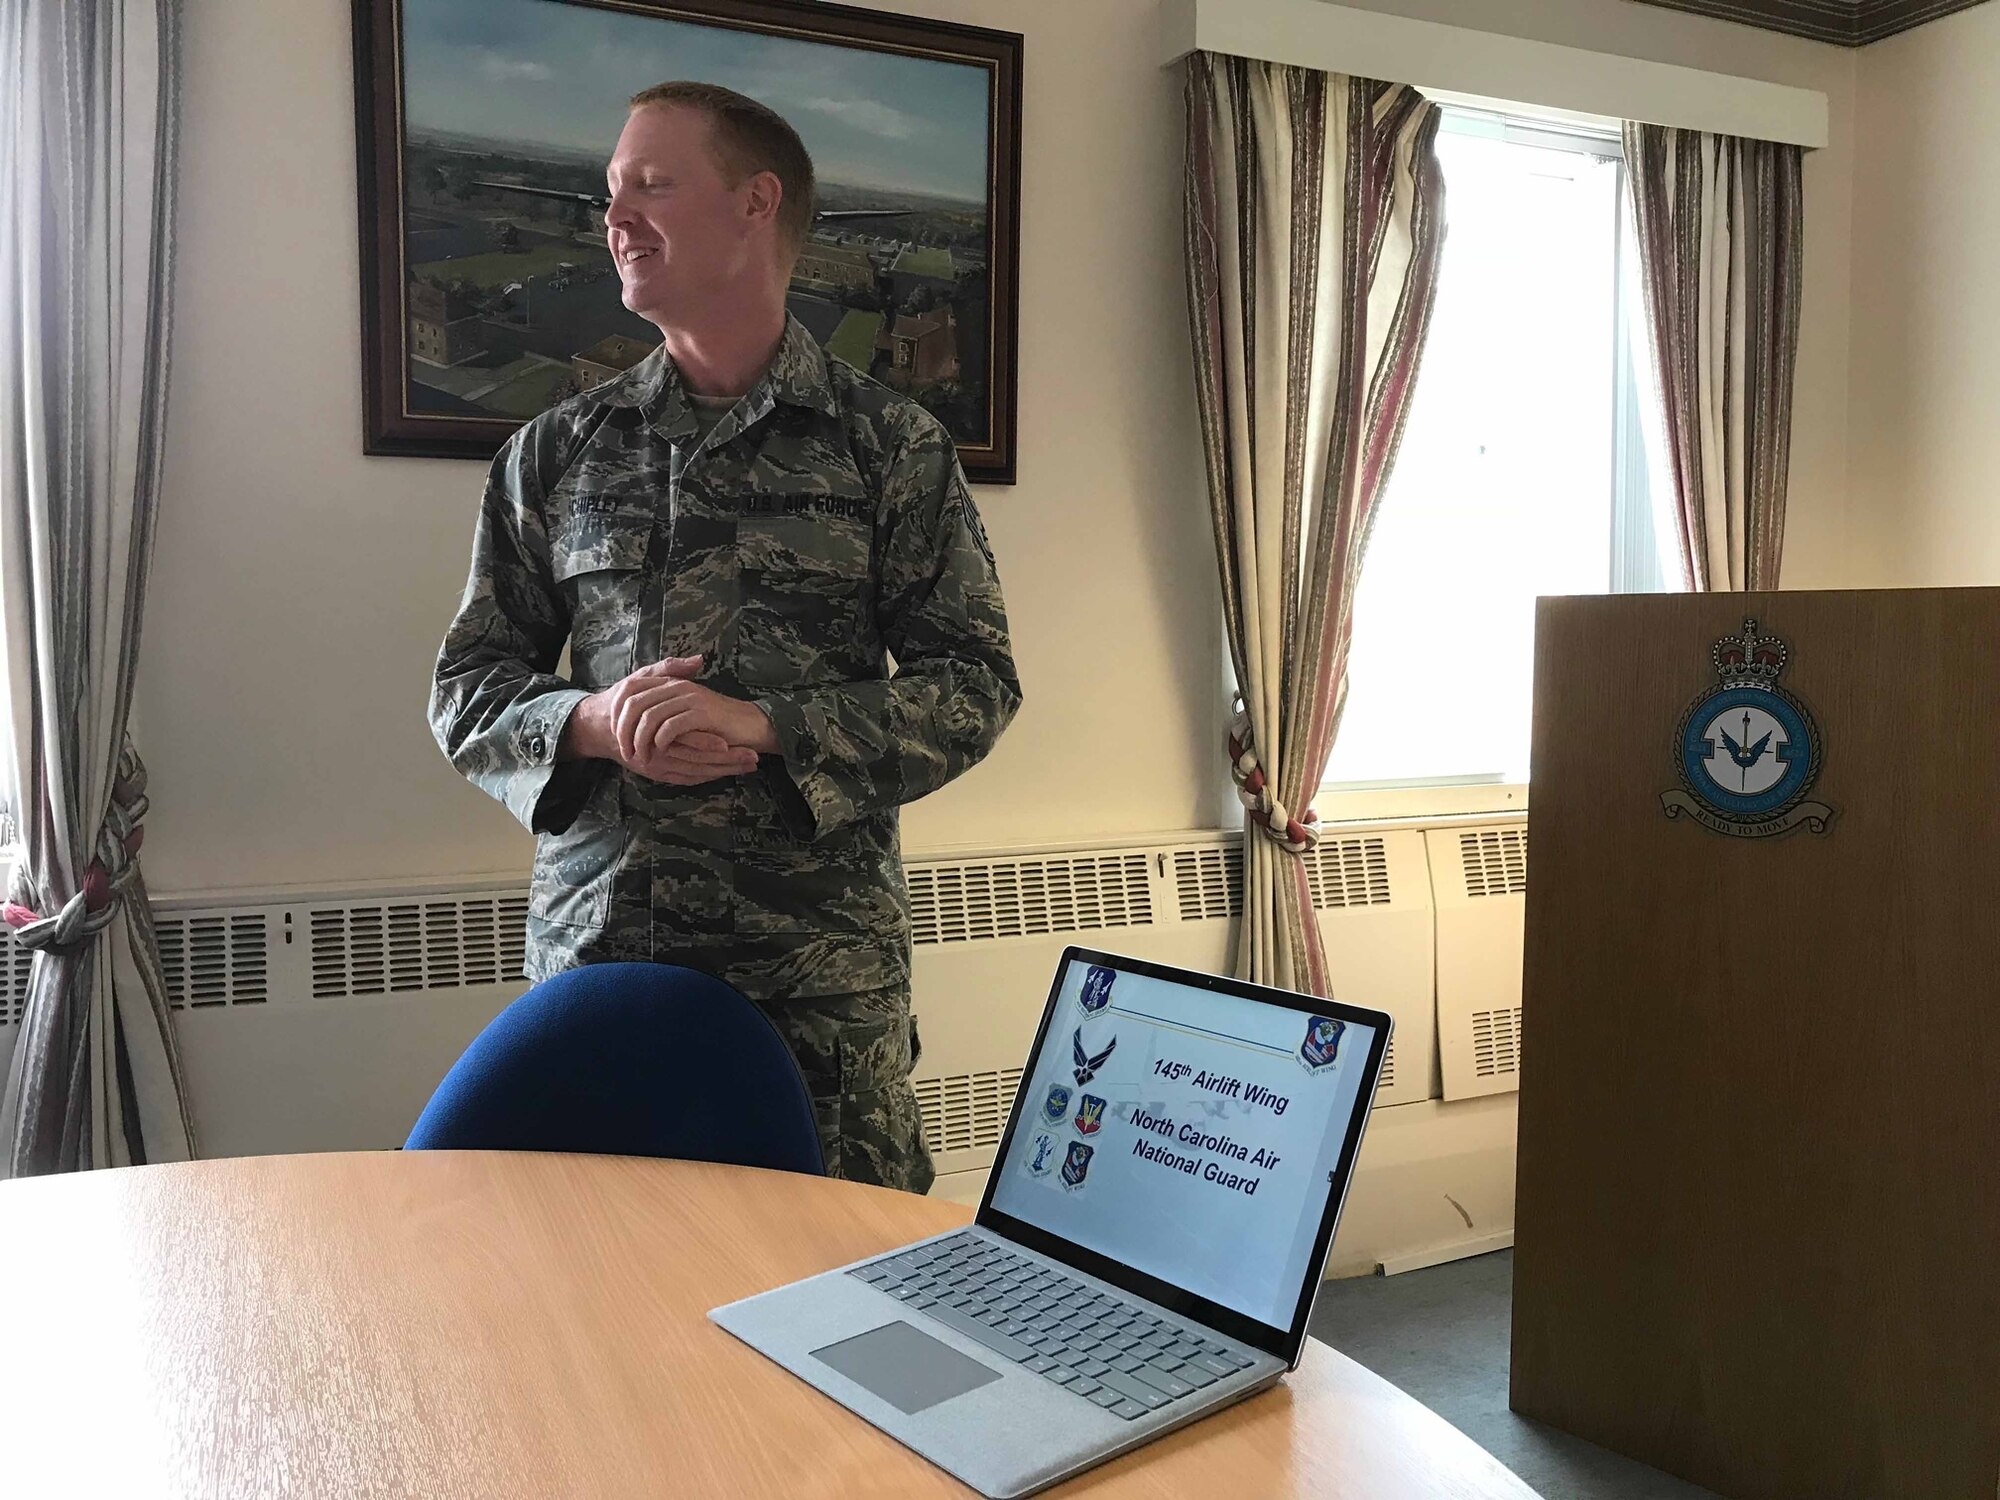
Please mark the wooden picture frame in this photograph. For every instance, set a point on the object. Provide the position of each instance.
(483, 126)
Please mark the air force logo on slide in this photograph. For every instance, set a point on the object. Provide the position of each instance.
(1748, 750)
(1055, 1108)
(1044, 1156)
(1321, 1048)
(1088, 1063)
(1076, 1165)
(1089, 1115)
(1096, 989)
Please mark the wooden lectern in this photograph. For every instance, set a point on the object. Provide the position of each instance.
(1757, 1237)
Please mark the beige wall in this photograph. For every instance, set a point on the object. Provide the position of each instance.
(299, 589)
(1927, 299)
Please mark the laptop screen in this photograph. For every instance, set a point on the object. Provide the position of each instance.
(1192, 1134)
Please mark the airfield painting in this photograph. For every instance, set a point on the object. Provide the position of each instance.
(509, 300)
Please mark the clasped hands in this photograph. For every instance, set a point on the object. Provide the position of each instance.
(662, 724)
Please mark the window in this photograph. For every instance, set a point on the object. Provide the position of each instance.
(1525, 469)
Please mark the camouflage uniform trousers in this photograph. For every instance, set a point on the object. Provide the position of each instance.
(856, 1053)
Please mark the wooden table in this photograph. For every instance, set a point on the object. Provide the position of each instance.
(439, 1324)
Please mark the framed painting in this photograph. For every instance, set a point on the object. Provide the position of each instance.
(484, 128)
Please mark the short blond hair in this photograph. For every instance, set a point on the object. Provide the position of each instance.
(749, 138)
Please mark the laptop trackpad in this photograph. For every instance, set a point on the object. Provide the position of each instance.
(907, 1369)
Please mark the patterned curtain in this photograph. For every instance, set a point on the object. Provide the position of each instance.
(1720, 226)
(1314, 219)
(88, 97)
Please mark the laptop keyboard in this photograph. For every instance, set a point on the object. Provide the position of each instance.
(1111, 1352)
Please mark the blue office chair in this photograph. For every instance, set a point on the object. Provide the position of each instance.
(629, 1060)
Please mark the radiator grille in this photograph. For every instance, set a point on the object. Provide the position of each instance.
(1496, 1042)
(1388, 1079)
(1495, 860)
(1024, 898)
(968, 1111)
(1348, 872)
(390, 947)
(215, 960)
(1209, 882)
(14, 978)
(225, 958)
(1341, 872)
(205, 961)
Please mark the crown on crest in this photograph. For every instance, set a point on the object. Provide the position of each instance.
(1749, 659)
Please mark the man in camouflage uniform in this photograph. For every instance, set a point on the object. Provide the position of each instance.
(729, 538)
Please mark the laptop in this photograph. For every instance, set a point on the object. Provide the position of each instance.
(1149, 1245)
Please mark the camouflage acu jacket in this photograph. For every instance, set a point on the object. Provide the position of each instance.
(820, 527)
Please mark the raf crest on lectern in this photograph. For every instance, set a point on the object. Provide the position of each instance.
(1748, 751)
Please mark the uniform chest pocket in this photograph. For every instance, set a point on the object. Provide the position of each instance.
(600, 565)
(807, 609)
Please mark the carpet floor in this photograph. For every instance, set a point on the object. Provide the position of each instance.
(1441, 1334)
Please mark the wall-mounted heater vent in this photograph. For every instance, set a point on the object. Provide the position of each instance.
(324, 1023)
(216, 960)
(1496, 1042)
(15, 962)
(1341, 872)
(207, 961)
(1208, 882)
(1496, 861)
(1348, 872)
(962, 903)
(1480, 877)
(375, 948)
(967, 1111)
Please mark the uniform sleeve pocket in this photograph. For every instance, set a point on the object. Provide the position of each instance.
(573, 873)
(599, 564)
(874, 1057)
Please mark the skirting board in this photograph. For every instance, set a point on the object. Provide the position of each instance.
(1418, 1260)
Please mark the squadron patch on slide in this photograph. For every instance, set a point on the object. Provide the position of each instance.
(1096, 989)
(1321, 1048)
(1044, 1156)
(1076, 1165)
(1055, 1108)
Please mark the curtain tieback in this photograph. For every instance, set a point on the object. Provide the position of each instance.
(114, 869)
(1253, 790)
